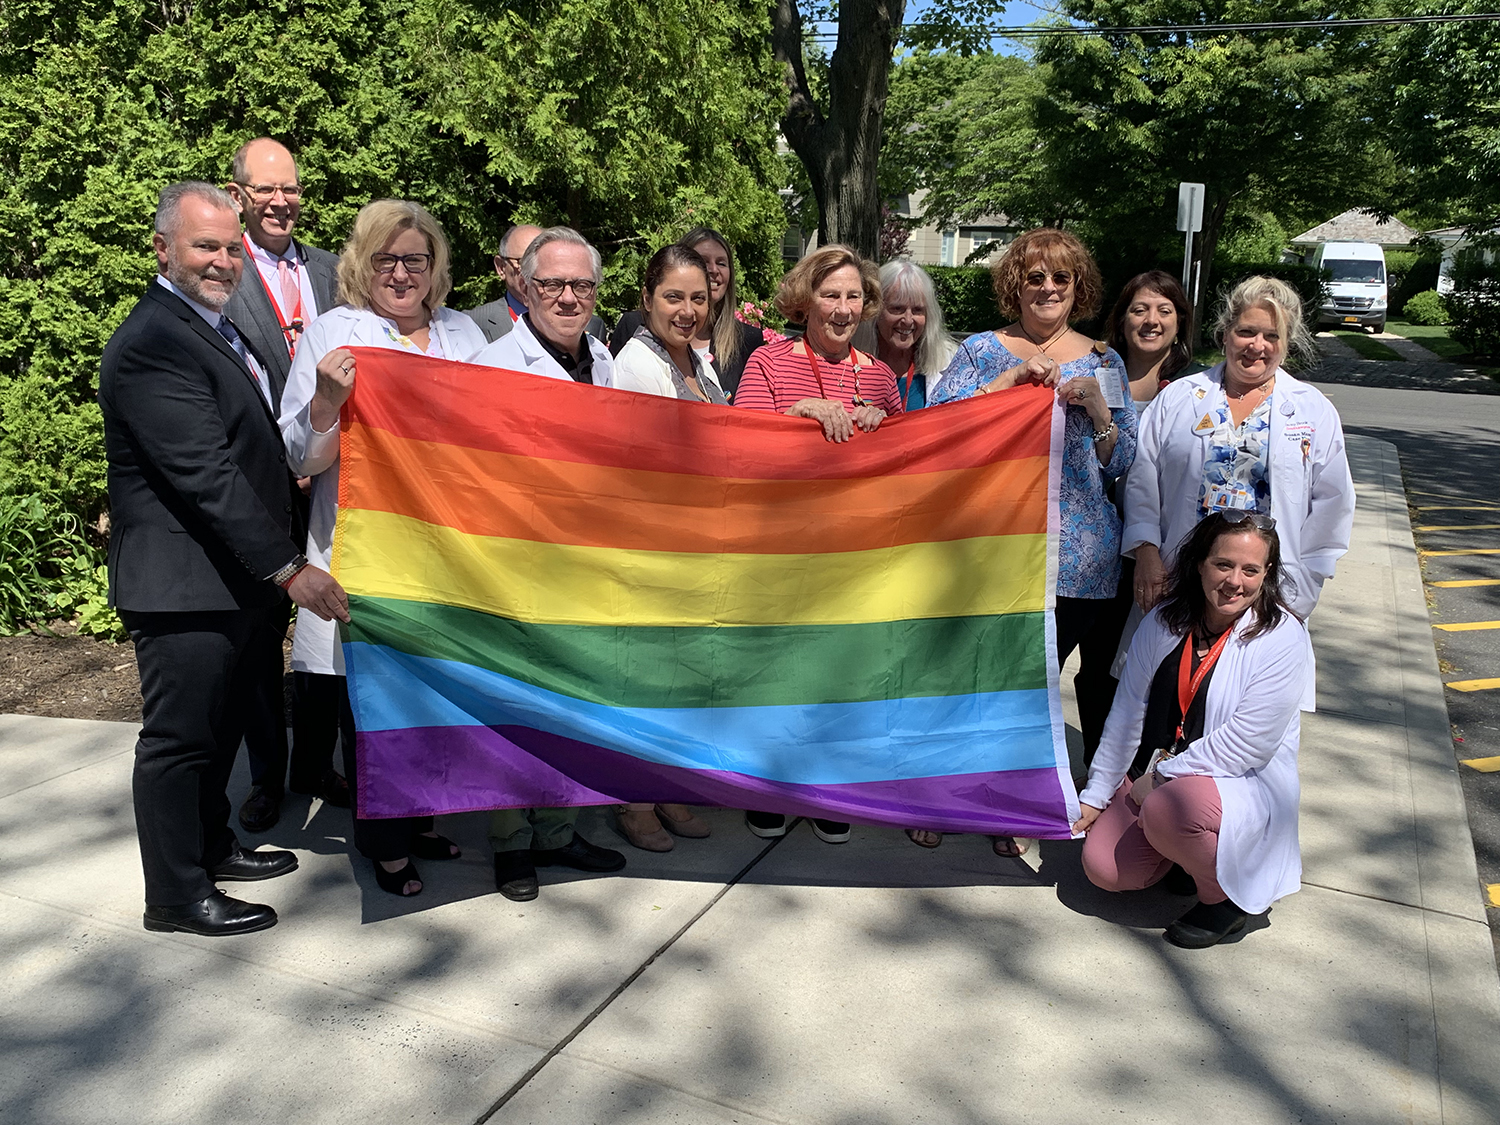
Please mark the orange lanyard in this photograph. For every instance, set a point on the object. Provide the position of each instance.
(292, 328)
(1186, 690)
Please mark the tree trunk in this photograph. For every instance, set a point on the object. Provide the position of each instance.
(841, 148)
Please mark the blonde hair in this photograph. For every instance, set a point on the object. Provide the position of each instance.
(904, 279)
(726, 328)
(1277, 298)
(795, 296)
(375, 225)
(1059, 249)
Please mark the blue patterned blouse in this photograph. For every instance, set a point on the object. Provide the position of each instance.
(1088, 562)
(1236, 473)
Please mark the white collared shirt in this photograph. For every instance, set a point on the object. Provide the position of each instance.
(270, 276)
(213, 316)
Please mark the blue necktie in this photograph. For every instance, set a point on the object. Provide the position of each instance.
(226, 328)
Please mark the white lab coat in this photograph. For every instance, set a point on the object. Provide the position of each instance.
(520, 350)
(638, 368)
(453, 335)
(1312, 493)
(1251, 731)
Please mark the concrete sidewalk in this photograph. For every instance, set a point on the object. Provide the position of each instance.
(735, 981)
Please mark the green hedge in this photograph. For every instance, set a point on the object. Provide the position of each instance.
(1427, 307)
(1407, 273)
(966, 297)
(1474, 305)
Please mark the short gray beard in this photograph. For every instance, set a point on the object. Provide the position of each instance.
(191, 285)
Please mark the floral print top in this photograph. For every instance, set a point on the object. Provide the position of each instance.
(1237, 471)
(1088, 557)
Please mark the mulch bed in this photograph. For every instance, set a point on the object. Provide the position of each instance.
(69, 677)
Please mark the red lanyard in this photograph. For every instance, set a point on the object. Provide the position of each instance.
(1187, 690)
(905, 389)
(813, 363)
(292, 328)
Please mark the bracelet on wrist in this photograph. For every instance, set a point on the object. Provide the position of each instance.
(286, 574)
(1106, 433)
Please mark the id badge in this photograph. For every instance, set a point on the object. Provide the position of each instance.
(1224, 497)
(1112, 386)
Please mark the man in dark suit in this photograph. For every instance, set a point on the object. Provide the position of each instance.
(495, 319)
(285, 285)
(203, 543)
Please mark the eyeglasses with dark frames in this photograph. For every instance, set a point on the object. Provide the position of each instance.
(260, 192)
(414, 263)
(552, 287)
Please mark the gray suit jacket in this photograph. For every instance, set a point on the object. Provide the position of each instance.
(494, 321)
(251, 310)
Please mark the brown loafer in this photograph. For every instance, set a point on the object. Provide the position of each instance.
(657, 841)
(692, 828)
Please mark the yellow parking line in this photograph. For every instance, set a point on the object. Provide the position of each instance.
(1457, 582)
(1474, 685)
(1472, 551)
(1457, 527)
(1459, 508)
(1483, 765)
(1468, 626)
(1492, 894)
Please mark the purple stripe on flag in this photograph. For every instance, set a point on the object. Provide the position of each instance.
(417, 771)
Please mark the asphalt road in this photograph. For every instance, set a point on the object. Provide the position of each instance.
(1450, 459)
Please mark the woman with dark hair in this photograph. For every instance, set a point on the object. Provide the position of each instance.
(723, 342)
(1151, 326)
(1045, 281)
(1198, 765)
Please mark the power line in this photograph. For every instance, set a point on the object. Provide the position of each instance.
(1042, 31)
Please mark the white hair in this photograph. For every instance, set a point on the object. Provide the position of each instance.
(559, 234)
(169, 205)
(905, 280)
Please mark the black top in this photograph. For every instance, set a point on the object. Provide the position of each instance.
(1162, 713)
(728, 374)
(580, 367)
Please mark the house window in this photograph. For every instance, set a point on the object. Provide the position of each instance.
(997, 237)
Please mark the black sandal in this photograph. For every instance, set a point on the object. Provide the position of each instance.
(395, 882)
(434, 847)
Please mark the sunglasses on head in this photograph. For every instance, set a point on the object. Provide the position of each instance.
(1236, 516)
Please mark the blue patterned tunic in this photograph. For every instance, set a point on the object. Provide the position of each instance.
(1088, 562)
(1236, 473)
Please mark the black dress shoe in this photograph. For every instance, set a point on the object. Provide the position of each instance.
(580, 855)
(261, 810)
(218, 915)
(247, 867)
(1205, 925)
(331, 789)
(515, 876)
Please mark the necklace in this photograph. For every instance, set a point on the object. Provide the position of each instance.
(1042, 348)
(1245, 394)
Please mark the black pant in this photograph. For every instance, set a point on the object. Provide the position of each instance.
(196, 683)
(316, 704)
(387, 840)
(265, 720)
(1093, 626)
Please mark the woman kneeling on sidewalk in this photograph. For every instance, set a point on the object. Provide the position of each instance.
(1198, 763)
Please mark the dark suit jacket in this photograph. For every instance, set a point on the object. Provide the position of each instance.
(494, 321)
(253, 314)
(202, 507)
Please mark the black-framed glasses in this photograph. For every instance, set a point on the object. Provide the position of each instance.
(1060, 278)
(552, 287)
(414, 263)
(1236, 516)
(267, 191)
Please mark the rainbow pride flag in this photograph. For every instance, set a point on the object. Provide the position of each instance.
(571, 595)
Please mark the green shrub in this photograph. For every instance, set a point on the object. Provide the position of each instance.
(1427, 307)
(1474, 305)
(1409, 272)
(37, 538)
(82, 595)
(967, 300)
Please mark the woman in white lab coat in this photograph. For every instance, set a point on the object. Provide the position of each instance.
(1244, 434)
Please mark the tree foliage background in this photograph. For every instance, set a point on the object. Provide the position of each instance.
(630, 122)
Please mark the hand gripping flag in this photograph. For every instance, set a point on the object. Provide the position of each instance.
(573, 595)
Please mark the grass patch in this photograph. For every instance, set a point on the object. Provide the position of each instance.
(1433, 337)
(1208, 357)
(1366, 347)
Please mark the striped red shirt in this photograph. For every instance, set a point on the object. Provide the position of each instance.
(778, 376)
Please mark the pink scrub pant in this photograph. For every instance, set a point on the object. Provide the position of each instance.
(1129, 848)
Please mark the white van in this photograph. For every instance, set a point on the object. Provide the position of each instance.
(1356, 284)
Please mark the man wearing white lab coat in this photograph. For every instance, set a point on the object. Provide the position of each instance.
(561, 273)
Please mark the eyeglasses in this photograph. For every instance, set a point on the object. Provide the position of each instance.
(1060, 278)
(552, 287)
(414, 263)
(1236, 516)
(261, 192)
